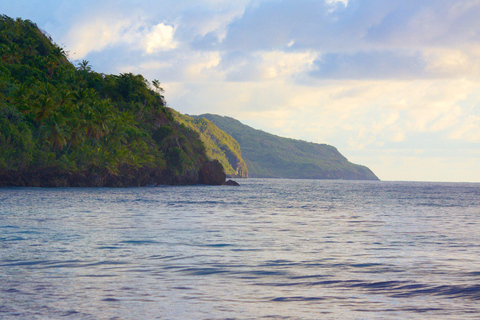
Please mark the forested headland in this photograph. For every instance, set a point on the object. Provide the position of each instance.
(270, 156)
(66, 125)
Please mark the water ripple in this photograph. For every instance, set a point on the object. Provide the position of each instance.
(271, 249)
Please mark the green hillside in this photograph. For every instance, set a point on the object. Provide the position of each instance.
(66, 125)
(270, 156)
(218, 144)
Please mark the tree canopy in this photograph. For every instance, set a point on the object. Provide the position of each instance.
(65, 125)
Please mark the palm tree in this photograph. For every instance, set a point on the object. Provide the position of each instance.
(77, 132)
(156, 85)
(56, 131)
(84, 66)
(10, 53)
(44, 105)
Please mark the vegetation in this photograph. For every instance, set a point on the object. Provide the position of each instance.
(271, 156)
(219, 145)
(66, 125)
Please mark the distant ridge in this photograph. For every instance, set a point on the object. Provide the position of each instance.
(271, 156)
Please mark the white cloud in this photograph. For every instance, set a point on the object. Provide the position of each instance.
(367, 39)
(261, 66)
(469, 130)
(102, 32)
(201, 66)
(160, 38)
(98, 33)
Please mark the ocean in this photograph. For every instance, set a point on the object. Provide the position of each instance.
(269, 249)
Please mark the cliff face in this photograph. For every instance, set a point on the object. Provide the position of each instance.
(65, 125)
(270, 156)
(219, 145)
(212, 173)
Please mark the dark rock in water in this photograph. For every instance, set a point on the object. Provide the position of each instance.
(231, 183)
(212, 173)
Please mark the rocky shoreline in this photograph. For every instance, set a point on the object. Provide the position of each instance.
(211, 173)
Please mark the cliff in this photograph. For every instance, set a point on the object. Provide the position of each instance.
(270, 156)
(219, 145)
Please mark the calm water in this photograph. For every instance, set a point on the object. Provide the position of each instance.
(270, 249)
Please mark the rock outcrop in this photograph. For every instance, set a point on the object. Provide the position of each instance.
(231, 183)
(212, 173)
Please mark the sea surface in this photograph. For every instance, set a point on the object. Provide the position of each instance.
(269, 249)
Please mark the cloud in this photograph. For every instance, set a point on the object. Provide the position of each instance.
(202, 25)
(437, 23)
(99, 33)
(272, 25)
(356, 115)
(365, 39)
(371, 65)
(469, 130)
(160, 38)
(359, 25)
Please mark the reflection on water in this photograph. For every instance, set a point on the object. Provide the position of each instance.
(271, 249)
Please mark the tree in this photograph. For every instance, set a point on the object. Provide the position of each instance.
(56, 131)
(44, 104)
(156, 85)
(84, 66)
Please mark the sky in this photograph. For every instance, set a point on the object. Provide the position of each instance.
(393, 85)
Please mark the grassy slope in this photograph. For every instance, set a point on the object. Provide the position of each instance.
(267, 155)
(219, 145)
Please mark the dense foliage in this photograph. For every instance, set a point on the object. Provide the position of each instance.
(219, 145)
(64, 125)
(271, 156)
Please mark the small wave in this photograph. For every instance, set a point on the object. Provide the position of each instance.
(296, 299)
(11, 290)
(414, 310)
(404, 289)
(50, 264)
(140, 242)
(203, 271)
(29, 232)
(273, 263)
(393, 289)
(108, 248)
(70, 313)
(451, 291)
(14, 263)
(218, 245)
(5, 239)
